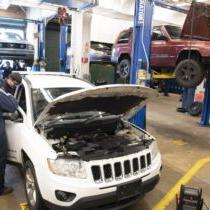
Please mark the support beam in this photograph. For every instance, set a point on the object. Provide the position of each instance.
(41, 31)
(141, 38)
(80, 44)
(63, 47)
(141, 49)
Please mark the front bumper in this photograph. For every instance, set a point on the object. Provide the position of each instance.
(106, 59)
(108, 201)
(49, 183)
(19, 54)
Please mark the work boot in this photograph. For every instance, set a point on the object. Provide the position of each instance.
(6, 191)
(181, 109)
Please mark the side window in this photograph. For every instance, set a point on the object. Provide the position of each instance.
(21, 98)
(157, 35)
(124, 37)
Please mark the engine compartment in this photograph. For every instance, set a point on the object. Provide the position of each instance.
(107, 139)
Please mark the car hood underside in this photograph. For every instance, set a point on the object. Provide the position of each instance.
(113, 99)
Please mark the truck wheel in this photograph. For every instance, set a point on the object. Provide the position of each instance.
(33, 195)
(195, 109)
(189, 73)
(123, 68)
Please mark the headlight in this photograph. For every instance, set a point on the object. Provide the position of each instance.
(30, 47)
(154, 149)
(68, 167)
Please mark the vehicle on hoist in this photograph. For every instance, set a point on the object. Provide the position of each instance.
(76, 146)
(14, 47)
(184, 52)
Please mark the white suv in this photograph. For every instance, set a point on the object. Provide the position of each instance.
(76, 146)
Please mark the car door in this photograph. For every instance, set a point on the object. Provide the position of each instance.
(161, 49)
(16, 129)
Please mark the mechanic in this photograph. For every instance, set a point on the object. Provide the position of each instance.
(7, 70)
(16, 66)
(9, 84)
(7, 104)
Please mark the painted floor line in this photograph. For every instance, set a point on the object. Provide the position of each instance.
(24, 206)
(166, 200)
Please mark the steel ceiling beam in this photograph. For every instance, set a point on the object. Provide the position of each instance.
(54, 4)
(171, 6)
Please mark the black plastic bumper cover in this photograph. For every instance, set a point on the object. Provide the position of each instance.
(107, 201)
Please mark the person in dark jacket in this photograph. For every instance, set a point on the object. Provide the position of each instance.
(7, 104)
(9, 84)
(7, 70)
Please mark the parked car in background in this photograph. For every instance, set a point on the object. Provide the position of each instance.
(100, 53)
(14, 47)
(77, 149)
(183, 51)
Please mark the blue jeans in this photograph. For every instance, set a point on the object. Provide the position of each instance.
(3, 153)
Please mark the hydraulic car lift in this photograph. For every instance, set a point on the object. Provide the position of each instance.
(141, 49)
(63, 47)
(74, 5)
(188, 99)
(41, 44)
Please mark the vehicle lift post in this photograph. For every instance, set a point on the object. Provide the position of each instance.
(141, 48)
(41, 46)
(205, 116)
(63, 46)
(187, 98)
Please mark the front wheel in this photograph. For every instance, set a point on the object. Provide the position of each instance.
(189, 73)
(33, 195)
(123, 68)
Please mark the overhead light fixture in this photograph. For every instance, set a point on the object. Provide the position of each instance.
(4, 4)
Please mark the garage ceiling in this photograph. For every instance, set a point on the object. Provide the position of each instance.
(51, 4)
(73, 4)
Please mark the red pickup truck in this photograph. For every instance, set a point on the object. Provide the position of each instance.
(186, 51)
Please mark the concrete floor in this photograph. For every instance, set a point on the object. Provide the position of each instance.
(182, 142)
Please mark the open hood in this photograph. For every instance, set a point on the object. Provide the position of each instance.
(113, 99)
(197, 22)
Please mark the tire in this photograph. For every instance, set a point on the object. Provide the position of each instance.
(33, 195)
(123, 68)
(195, 109)
(189, 73)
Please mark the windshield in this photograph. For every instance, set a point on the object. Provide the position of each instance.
(10, 35)
(42, 96)
(100, 46)
(173, 31)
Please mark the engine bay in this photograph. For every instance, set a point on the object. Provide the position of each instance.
(94, 141)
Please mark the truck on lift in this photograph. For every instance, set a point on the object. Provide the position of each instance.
(184, 52)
